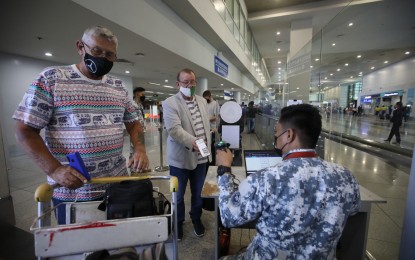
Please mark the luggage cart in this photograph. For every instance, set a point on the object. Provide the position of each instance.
(90, 231)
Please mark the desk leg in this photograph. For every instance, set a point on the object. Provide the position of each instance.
(216, 228)
(352, 243)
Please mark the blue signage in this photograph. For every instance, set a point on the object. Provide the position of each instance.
(221, 67)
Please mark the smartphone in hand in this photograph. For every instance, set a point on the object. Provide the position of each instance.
(204, 151)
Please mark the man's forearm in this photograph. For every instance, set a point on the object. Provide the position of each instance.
(136, 136)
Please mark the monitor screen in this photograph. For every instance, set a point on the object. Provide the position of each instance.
(256, 160)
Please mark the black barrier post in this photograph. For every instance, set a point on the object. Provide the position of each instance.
(161, 168)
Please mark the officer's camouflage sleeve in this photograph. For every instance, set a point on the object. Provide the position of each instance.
(239, 206)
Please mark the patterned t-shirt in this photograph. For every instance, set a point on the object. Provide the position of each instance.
(301, 206)
(80, 115)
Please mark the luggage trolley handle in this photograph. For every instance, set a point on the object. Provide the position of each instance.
(43, 194)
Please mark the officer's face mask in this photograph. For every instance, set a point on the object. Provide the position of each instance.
(99, 66)
(278, 150)
(142, 98)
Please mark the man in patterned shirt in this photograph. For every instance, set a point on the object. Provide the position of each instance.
(82, 110)
(186, 120)
(300, 205)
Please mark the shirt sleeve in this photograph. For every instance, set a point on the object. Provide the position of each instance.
(240, 206)
(36, 107)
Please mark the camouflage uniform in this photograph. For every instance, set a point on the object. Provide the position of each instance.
(300, 205)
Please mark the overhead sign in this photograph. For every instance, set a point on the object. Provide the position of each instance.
(395, 93)
(221, 67)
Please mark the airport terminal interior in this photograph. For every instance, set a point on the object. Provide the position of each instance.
(349, 58)
(377, 173)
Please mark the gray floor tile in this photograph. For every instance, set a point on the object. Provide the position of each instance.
(382, 250)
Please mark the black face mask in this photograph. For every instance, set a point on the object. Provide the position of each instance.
(142, 98)
(208, 100)
(98, 66)
(278, 151)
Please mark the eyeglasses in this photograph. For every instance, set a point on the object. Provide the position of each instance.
(189, 82)
(98, 52)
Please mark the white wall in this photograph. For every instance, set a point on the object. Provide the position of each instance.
(16, 73)
(399, 76)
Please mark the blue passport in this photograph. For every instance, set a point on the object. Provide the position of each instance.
(76, 162)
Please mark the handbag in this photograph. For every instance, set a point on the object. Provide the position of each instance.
(129, 199)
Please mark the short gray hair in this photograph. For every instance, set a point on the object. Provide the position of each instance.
(99, 31)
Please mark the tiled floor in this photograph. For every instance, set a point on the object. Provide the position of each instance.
(376, 174)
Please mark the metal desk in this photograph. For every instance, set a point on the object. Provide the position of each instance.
(353, 240)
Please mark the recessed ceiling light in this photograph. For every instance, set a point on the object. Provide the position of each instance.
(279, 68)
(333, 44)
(359, 56)
(279, 62)
(385, 61)
(166, 86)
(372, 68)
(48, 54)
(407, 52)
(152, 83)
(232, 88)
(311, 66)
(350, 24)
(221, 84)
(278, 33)
(325, 77)
(338, 69)
(317, 59)
(127, 72)
(331, 74)
(298, 88)
(351, 77)
(166, 80)
(360, 72)
(278, 49)
(346, 64)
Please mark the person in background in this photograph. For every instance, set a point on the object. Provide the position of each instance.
(396, 119)
(139, 97)
(377, 110)
(213, 112)
(300, 205)
(186, 120)
(160, 107)
(82, 109)
(250, 116)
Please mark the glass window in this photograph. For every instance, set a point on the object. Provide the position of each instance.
(236, 11)
(229, 6)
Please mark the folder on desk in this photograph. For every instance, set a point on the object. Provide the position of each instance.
(256, 160)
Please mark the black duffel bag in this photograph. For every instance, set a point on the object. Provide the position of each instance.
(129, 199)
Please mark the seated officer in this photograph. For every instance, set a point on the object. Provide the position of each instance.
(300, 205)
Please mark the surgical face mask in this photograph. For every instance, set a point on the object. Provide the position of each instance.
(278, 150)
(188, 92)
(142, 98)
(99, 66)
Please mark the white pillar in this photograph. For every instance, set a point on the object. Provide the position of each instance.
(202, 85)
(299, 60)
(237, 96)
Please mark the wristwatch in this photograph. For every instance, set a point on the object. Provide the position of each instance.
(223, 169)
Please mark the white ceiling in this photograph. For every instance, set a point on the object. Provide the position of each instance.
(382, 30)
